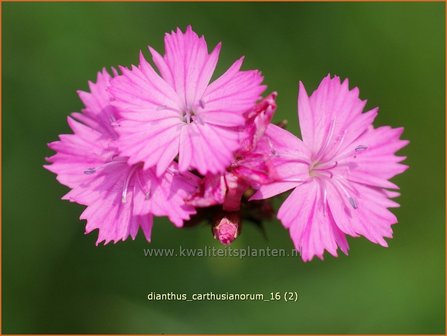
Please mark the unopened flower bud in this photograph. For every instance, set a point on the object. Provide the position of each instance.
(227, 228)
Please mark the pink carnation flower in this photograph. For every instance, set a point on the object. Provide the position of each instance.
(339, 173)
(120, 198)
(178, 112)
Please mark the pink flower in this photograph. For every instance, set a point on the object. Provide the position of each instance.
(120, 198)
(339, 173)
(178, 112)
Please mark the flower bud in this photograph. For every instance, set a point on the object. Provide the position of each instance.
(227, 227)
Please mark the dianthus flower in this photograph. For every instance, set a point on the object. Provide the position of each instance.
(339, 172)
(120, 197)
(178, 112)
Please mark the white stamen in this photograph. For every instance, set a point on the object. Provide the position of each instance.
(325, 173)
(337, 149)
(126, 183)
(351, 199)
(146, 192)
(294, 180)
(326, 166)
(323, 196)
(327, 141)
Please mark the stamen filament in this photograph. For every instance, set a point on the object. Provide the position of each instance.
(326, 166)
(146, 192)
(127, 182)
(352, 201)
(292, 157)
(330, 156)
(327, 140)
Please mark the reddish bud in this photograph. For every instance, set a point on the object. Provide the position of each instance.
(227, 228)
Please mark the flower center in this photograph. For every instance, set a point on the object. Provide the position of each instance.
(190, 113)
(188, 116)
(322, 169)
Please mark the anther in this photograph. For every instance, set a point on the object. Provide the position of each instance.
(353, 202)
(93, 170)
(360, 148)
(90, 171)
(351, 199)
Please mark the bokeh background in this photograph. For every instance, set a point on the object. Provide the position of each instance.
(56, 281)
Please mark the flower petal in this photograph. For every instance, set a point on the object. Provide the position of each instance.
(371, 218)
(207, 148)
(312, 229)
(189, 64)
(332, 117)
(378, 162)
(120, 195)
(235, 92)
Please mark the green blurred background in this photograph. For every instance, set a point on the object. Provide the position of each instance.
(56, 281)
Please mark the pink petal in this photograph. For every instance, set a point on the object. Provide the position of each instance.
(370, 216)
(142, 89)
(168, 195)
(98, 98)
(154, 143)
(235, 92)
(285, 144)
(116, 215)
(273, 189)
(213, 147)
(311, 229)
(379, 159)
(76, 153)
(305, 116)
(332, 117)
